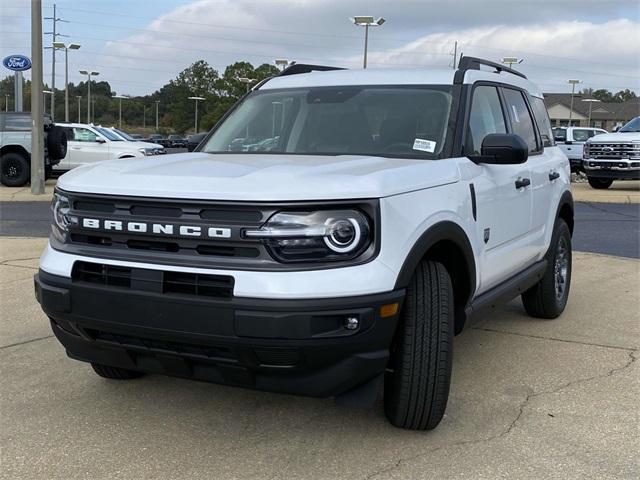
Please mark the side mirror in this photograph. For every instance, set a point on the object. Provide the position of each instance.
(502, 149)
(100, 140)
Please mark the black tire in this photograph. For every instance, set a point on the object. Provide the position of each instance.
(56, 143)
(115, 373)
(417, 385)
(547, 299)
(600, 183)
(15, 170)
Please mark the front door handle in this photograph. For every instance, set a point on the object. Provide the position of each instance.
(553, 176)
(522, 182)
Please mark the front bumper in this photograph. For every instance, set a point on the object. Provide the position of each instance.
(290, 346)
(613, 169)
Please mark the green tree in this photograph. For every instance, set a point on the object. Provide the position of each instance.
(624, 95)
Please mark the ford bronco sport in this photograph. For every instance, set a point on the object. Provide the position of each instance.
(374, 213)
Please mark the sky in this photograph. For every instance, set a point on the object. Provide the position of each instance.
(138, 45)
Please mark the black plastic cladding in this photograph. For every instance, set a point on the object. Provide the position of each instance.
(236, 253)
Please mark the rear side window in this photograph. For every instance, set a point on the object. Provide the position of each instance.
(582, 135)
(521, 121)
(544, 123)
(485, 117)
(559, 134)
(17, 122)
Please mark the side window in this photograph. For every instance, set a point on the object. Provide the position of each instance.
(17, 122)
(544, 123)
(521, 121)
(84, 135)
(485, 117)
(582, 135)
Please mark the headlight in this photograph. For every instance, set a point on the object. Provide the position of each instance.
(324, 235)
(148, 151)
(61, 207)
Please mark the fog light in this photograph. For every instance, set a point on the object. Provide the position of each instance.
(351, 323)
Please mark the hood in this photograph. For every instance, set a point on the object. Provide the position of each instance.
(249, 177)
(622, 137)
(137, 145)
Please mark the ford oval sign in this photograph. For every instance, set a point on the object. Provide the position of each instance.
(17, 63)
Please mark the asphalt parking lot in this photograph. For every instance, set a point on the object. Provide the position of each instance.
(529, 398)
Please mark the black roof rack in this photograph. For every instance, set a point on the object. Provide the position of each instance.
(473, 63)
(297, 68)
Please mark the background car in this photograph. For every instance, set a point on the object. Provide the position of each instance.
(194, 140)
(90, 144)
(177, 141)
(571, 141)
(158, 139)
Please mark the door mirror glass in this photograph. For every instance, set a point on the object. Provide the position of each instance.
(502, 149)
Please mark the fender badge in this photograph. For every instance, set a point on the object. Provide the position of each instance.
(487, 234)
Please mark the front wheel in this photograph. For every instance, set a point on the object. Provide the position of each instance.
(548, 298)
(600, 183)
(417, 381)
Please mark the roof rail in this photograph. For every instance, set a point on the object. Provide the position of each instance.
(473, 63)
(297, 68)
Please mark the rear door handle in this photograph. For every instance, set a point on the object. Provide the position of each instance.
(522, 182)
(553, 176)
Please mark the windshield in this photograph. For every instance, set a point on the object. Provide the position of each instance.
(109, 134)
(124, 135)
(632, 126)
(387, 121)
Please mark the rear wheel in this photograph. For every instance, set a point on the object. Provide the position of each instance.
(417, 385)
(115, 373)
(15, 170)
(548, 298)
(600, 183)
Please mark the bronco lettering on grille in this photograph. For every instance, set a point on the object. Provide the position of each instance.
(156, 228)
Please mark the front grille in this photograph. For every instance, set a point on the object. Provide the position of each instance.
(612, 150)
(157, 281)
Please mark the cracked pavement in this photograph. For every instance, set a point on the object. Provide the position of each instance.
(529, 399)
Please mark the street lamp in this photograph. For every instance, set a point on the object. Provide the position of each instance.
(196, 122)
(44, 98)
(79, 97)
(66, 48)
(573, 83)
(157, 103)
(120, 97)
(247, 81)
(591, 102)
(89, 73)
(511, 60)
(6, 102)
(366, 22)
(282, 63)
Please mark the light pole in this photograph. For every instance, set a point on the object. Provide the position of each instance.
(511, 60)
(157, 103)
(591, 102)
(120, 97)
(66, 48)
(247, 82)
(6, 102)
(144, 117)
(196, 122)
(573, 83)
(79, 97)
(366, 22)
(89, 73)
(282, 63)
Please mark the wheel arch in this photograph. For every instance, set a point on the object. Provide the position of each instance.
(15, 149)
(565, 210)
(445, 242)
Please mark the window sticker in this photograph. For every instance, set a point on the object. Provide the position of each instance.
(424, 145)
(515, 113)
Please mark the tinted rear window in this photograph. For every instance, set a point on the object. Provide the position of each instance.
(16, 123)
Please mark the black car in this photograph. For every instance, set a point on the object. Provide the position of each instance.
(159, 139)
(177, 141)
(194, 140)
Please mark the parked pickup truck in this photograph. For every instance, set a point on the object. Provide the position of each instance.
(385, 209)
(571, 141)
(15, 147)
(615, 156)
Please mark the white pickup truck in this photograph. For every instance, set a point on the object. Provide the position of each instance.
(571, 141)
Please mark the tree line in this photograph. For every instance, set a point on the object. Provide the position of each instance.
(176, 112)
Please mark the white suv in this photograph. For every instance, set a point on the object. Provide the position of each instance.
(88, 144)
(378, 210)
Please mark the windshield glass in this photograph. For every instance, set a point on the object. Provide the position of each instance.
(124, 135)
(632, 126)
(109, 134)
(405, 121)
